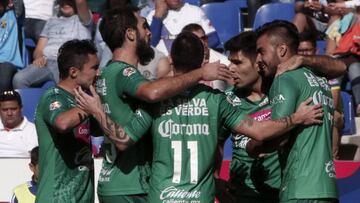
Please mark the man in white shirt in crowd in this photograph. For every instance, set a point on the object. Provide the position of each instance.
(17, 134)
(210, 55)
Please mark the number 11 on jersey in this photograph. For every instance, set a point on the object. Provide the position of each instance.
(192, 147)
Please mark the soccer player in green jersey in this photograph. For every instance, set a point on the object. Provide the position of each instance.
(308, 173)
(124, 176)
(255, 179)
(185, 130)
(65, 162)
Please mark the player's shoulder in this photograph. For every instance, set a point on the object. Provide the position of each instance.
(116, 67)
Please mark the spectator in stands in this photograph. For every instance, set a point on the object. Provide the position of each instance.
(25, 193)
(346, 4)
(343, 42)
(253, 6)
(10, 45)
(315, 15)
(210, 55)
(17, 134)
(37, 12)
(75, 23)
(170, 16)
(307, 47)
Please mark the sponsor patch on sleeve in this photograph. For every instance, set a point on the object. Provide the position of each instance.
(55, 105)
(128, 71)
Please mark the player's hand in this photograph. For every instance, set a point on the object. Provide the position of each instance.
(161, 8)
(293, 63)
(215, 71)
(91, 104)
(40, 62)
(307, 114)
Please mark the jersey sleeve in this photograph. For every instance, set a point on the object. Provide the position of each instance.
(283, 96)
(139, 125)
(54, 105)
(229, 115)
(130, 80)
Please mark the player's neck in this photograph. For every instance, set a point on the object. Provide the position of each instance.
(127, 55)
(68, 85)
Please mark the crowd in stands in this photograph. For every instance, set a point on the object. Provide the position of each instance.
(93, 33)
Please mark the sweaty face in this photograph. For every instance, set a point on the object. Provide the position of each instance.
(143, 48)
(10, 113)
(306, 48)
(244, 71)
(87, 75)
(267, 58)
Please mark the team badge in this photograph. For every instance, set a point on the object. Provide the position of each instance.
(129, 71)
(55, 105)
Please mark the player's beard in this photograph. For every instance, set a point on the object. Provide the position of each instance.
(144, 51)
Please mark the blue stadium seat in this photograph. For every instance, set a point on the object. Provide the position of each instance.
(48, 84)
(239, 3)
(30, 98)
(321, 45)
(226, 19)
(228, 149)
(274, 11)
(349, 114)
(193, 2)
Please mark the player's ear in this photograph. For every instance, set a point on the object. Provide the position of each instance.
(73, 71)
(130, 34)
(282, 49)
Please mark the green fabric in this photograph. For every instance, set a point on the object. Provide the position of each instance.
(185, 132)
(123, 199)
(253, 177)
(123, 173)
(66, 166)
(308, 169)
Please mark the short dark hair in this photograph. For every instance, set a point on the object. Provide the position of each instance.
(187, 52)
(308, 37)
(245, 42)
(11, 95)
(192, 27)
(115, 23)
(74, 53)
(281, 31)
(34, 155)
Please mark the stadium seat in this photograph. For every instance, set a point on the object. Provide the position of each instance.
(193, 2)
(274, 11)
(240, 3)
(30, 98)
(349, 114)
(48, 84)
(226, 19)
(321, 45)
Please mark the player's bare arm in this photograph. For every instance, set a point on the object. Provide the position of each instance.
(67, 120)
(326, 65)
(264, 130)
(167, 87)
(92, 105)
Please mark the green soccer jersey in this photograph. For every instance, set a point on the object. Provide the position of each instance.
(66, 166)
(122, 173)
(308, 169)
(185, 133)
(253, 177)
